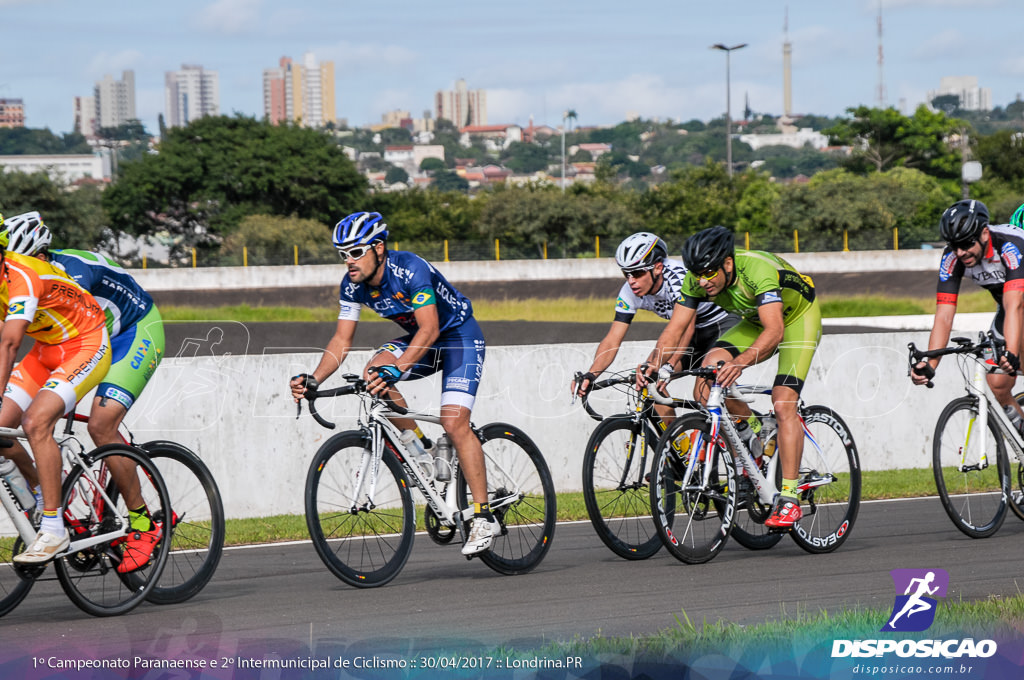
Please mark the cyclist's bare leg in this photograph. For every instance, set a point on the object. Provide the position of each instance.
(791, 432)
(666, 413)
(1002, 388)
(104, 419)
(455, 421)
(40, 418)
(10, 416)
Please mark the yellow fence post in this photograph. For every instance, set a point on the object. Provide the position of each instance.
(746, 240)
(143, 261)
(846, 241)
(296, 255)
(895, 238)
(446, 250)
(193, 258)
(796, 242)
(245, 256)
(497, 250)
(597, 246)
(545, 250)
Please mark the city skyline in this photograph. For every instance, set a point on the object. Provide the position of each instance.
(603, 60)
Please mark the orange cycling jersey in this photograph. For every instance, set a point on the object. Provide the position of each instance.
(56, 308)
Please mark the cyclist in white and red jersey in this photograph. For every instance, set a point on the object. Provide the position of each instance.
(992, 255)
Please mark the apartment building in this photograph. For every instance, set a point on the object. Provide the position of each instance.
(191, 93)
(462, 106)
(972, 97)
(115, 100)
(12, 113)
(300, 92)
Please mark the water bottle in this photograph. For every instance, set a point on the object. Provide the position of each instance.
(417, 453)
(16, 482)
(443, 459)
(749, 437)
(769, 438)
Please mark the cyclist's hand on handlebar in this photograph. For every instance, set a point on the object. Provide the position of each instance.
(921, 373)
(664, 377)
(644, 373)
(728, 373)
(382, 377)
(1009, 363)
(303, 386)
(582, 384)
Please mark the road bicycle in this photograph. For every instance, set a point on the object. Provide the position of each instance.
(97, 520)
(969, 449)
(359, 506)
(706, 485)
(197, 531)
(615, 468)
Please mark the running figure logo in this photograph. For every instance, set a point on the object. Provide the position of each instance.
(914, 610)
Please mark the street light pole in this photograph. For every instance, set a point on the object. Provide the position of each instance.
(565, 116)
(728, 102)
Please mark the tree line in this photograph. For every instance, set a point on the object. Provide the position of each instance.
(226, 183)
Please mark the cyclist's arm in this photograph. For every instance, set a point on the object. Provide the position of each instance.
(684, 343)
(607, 350)
(1013, 304)
(942, 326)
(336, 351)
(11, 334)
(670, 338)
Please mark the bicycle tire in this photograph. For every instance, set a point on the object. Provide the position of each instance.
(975, 500)
(89, 577)
(748, 528)
(1017, 492)
(830, 510)
(197, 534)
(694, 522)
(15, 581)
(363, 544)
(615, 490)
(514, 465)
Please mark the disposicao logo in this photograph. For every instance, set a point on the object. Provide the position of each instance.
(916, 593)
(913, 610)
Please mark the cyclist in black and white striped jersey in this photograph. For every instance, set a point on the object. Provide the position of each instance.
(652, 283)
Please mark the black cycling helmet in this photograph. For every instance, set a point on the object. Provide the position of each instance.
(707, 249)
(963, 221)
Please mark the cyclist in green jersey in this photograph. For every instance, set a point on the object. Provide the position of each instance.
(779, 315)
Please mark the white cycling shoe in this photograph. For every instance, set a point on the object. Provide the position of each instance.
(481, 534)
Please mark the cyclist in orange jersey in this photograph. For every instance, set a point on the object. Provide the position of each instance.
(70, 356)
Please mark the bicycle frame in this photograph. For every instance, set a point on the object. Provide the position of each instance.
(72, 457)
(978, 387)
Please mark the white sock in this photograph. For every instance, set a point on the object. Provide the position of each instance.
(53, 525)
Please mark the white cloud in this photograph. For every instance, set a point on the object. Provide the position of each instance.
(941, 45)
(231, 17)
(362, 57)
(933, 4)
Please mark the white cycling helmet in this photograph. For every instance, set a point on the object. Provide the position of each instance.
(640, 251)
(27, 234)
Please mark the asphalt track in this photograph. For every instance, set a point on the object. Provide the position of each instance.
(280, 599)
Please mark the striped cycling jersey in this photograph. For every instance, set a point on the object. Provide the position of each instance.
(122, 300)
(56, 308)
(663, 300)
(1000, 267)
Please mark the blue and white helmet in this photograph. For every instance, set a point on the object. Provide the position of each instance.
(360, 229)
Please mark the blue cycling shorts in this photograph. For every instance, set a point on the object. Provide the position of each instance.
(458, 354)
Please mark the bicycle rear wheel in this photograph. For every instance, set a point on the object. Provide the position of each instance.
(615, 489)
(693, 520)
(975, 498)
(89, 575)
(364, 541)
(197, 534)
(830, 479)
(1017, 480)
(15, 581)
(522, 499)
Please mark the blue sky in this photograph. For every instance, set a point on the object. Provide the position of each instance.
(604, 59)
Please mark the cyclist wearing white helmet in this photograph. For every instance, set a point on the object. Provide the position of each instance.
(136, 333)
(440, 333)
(652, 283)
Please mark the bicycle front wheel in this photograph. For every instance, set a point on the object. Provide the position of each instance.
(693, 490)
(974, 494)
(615, 491)
(197, 529)
(830, 482)
(522, 499)
(15, 581)
(361, 519)
(90, 575)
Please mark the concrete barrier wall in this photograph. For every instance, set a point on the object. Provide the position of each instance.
(236, 413)
(507, 270)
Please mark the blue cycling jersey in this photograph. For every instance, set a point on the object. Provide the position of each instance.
(123, 301)
(409, 282)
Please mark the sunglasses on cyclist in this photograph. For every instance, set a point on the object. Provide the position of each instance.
(708, 276)
(354, 252)
(636, 273)
(966, 244)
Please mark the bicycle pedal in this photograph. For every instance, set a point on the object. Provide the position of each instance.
(779, 530)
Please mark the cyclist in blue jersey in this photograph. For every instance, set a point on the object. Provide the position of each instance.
(440, 333)
(136, 332)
